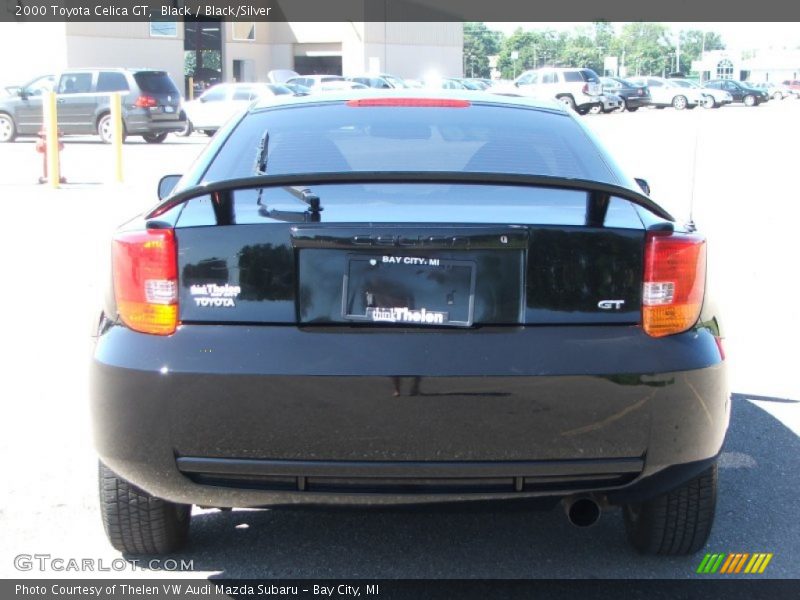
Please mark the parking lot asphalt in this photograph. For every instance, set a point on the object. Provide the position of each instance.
(735, 166)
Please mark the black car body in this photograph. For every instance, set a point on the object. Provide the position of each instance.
(150, 104)
(371, 300)
(740, 92)
(634, 96)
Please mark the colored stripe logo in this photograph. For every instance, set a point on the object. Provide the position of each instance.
(734, 563)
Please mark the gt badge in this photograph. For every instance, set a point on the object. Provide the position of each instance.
(610, 304)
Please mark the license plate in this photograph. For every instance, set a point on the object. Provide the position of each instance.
(409, 290)
(169, 109)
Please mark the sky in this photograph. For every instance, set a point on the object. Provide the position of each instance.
(737, 36)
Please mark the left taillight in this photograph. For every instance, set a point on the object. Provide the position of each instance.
(674, 282)
(145, 102)
(145, 272)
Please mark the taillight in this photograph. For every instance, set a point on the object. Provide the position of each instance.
(585, 89)
(640, 92)
(146, 280)
(674, 282)
(410, 102)
(145, 102)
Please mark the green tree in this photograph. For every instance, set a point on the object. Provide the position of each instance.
(648, 48)
(479, 44)
(536, 49)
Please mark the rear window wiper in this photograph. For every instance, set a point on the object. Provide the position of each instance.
(303, 194)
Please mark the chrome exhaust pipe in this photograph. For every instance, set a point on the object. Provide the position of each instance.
(582, 511)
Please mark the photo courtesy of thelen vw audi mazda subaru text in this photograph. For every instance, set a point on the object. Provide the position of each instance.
(406, 298)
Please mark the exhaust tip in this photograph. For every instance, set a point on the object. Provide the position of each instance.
(583, 512)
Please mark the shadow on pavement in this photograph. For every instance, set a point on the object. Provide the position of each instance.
(757, 512)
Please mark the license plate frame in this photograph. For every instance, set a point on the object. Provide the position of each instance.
(429, 303)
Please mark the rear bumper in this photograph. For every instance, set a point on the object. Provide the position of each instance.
(139, 122)
(637, 101)
(258, 416)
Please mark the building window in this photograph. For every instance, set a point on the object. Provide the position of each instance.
(163, 29)
(244, 31)
(724, 69)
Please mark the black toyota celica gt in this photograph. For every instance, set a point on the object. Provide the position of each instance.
(408, 297)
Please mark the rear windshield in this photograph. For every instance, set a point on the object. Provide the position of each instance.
(582, 75)
(155, 82)
(339, 138)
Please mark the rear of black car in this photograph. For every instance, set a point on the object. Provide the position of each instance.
(634, 96)
(405, 300)
(154, 105)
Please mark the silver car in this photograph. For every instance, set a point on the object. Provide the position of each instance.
(666, 92)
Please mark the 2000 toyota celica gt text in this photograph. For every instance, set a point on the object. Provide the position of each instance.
(408, 299)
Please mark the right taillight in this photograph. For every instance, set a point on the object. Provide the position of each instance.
(145, 275)
(674, 282)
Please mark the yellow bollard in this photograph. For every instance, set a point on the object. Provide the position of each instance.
(51, 131)
(117, 127)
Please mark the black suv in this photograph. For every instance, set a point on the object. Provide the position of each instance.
(151, 104)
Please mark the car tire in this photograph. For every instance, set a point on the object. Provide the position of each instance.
(750, 100)
(187, 130)
(596, 109)
(137, 522)
(631, 108)
(210, 132)
(710, 102)
(154, 138)
(8, 129)
(677, 522)
(105, 129)
(568, 101)
(679, 102)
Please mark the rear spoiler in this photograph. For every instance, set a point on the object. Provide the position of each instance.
(598, 194)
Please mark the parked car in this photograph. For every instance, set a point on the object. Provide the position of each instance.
(666, 92)
(337, 86)
(469, 84)
(634, 96)
(220, 102)
(714, 98)
(297, 89)
(609, 103)
(151, 104)
(776, 91)
(794, 86)
(412, 297)
(740, 92)
(579, 89)
(482, 81)
(382, 81)
(443, 83)
(314, 81)
(281, 75)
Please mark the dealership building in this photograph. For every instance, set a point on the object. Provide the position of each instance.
(233, 51)
(762, 65)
